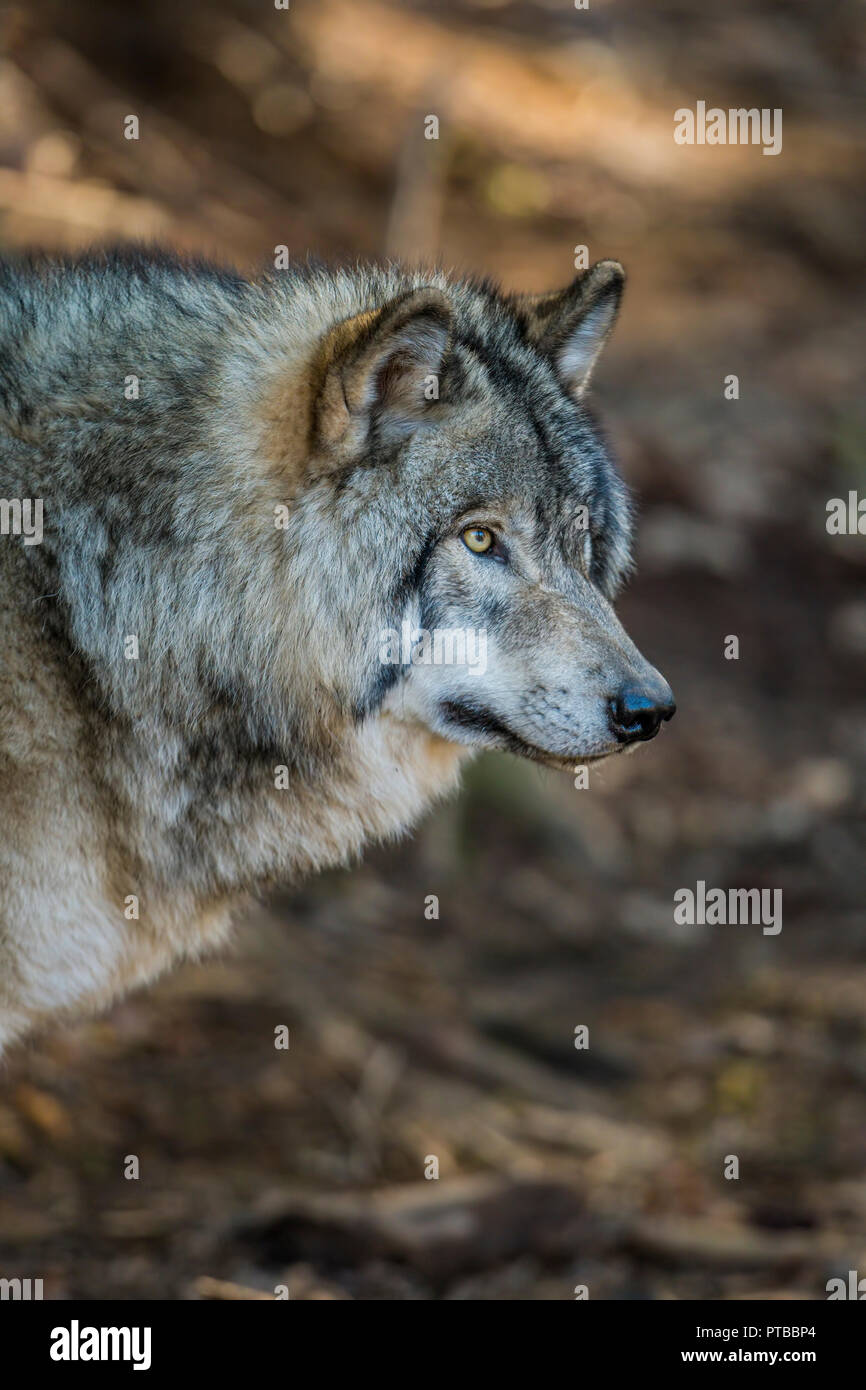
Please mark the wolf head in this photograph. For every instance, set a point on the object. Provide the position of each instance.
(474, 513)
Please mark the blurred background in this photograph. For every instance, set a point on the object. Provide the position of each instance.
(413, 1039)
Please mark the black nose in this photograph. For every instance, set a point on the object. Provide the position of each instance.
(637, 712)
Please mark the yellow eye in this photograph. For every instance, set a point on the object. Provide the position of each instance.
(478, 539)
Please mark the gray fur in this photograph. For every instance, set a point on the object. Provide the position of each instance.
(258, 646)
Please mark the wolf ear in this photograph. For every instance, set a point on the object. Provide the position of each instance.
(571, 326)
(384, 363)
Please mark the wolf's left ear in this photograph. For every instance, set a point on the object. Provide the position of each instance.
(571, 326)
(384, 363)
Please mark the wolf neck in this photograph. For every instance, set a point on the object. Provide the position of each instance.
(250, 820)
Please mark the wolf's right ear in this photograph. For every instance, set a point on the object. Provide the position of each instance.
(571, 326)
(385, 364)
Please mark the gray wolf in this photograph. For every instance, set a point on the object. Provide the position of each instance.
(243, 484)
